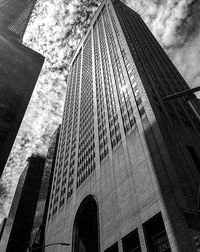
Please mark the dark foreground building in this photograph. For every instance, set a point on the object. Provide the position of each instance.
(19, 70)
(128, 156)
(17, 231)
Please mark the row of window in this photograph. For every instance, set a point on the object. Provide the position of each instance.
(114, 129)
(86, 149)
(121, 84)
(131, 71)
(68, 137)
(74, 132)
(59, 159)
(63, 163)
(102, 131)
(155, 235)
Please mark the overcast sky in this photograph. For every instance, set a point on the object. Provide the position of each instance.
(55, 30)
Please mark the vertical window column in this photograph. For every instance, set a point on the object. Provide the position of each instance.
(74, 142)
(115, 134)
(121, 85)
(86, 149)
(61, 149)
(101, 114)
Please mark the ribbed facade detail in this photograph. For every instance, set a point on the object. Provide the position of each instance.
(101, 112)
(86, 150)
(114, 129)
(18, 26)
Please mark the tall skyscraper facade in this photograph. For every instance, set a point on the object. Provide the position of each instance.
(128, 156)
(17, 232)
(19, 70)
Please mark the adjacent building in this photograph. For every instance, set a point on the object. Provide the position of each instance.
(14, 17)
(128, 156)
(17, 231)
(19, 70)
(38, 229)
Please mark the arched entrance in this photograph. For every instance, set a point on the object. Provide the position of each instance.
(86, 229)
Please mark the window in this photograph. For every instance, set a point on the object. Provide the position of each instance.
(131, 242)
(113, 248)
(156, 236)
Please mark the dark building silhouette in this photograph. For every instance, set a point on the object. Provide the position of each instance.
(19, 70)
(17, 231)
(38, 230)
(127, 164)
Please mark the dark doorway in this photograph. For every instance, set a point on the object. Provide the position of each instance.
(156, 236)
(86, 231)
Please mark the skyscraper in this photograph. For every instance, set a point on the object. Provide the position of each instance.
(128, 155)
(37, 234)
(17, 231)
(14, 17)
(19, 70)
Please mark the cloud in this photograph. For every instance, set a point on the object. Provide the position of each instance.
(176, 25)
(3, 196)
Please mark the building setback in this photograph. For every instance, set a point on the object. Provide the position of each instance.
(19, 70)
(128, 158)
(17, 231)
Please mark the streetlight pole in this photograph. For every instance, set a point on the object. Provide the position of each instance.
(51, 244)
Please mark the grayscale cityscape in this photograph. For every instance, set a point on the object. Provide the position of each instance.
(99, 126)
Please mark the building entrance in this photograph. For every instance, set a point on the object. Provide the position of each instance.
(86, 231)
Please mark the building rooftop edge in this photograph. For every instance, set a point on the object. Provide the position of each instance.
(91, 24)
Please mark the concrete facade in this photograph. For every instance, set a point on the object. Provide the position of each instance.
(121, 143)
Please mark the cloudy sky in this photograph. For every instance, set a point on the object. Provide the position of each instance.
(55, 30)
